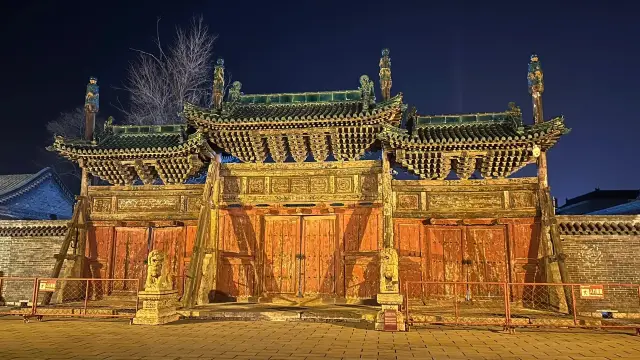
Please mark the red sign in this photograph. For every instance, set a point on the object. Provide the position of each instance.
(390, 320)
(47, 285)
(592, 291)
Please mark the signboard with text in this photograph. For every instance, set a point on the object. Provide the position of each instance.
(47, 285)
(591, 291)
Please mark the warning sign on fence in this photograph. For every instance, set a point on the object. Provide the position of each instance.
(47, 285)
(592, 291)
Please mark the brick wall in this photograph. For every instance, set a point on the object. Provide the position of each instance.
(26, 250)
(603, 258)
(601, 250)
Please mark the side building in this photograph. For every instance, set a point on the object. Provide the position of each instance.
(34, 212)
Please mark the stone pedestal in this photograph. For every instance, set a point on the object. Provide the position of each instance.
(390, 318)
(158, 307)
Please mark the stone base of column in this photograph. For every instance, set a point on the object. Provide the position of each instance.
(158, 307)
(390, 318)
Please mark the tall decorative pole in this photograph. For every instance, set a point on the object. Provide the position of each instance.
(218, 84)
(389, 318)
(552, 258)
(91, 107)
(385, 75)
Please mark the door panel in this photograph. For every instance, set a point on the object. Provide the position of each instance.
(170, 240)
(485, 252)
(408, 240)
(485, 247)
(131, 250)
(319, 242)
(445, 257)
(282, 242)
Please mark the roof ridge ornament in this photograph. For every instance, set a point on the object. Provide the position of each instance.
(367, 92)
(92, 97)
(234, 92)
(515, 115)
(385, 75)
(535, 79)
(218, 84)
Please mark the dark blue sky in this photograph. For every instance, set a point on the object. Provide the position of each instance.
(458, 57)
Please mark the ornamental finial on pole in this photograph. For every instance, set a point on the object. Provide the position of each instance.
(218, 84)
(385, 75)
(536, 76)
(92, 97)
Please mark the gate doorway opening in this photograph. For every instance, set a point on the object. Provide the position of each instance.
(300, 256)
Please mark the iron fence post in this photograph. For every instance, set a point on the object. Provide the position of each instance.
(507, 309)
(35, 296)
(455, 303)
(86, 297)
(573, 305)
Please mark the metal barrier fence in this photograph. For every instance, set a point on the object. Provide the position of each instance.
(512, 305)
(39, 297)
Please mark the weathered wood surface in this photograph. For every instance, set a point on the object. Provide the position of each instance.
(507, 250)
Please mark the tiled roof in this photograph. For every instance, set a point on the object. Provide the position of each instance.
(257, 112)
(10, 182)
(604, 194)
(17, 184)
(477, 129)
(630, 208)
(118, 141)
(459, 119)
(307, 97)
(598, 225)
(28, 228)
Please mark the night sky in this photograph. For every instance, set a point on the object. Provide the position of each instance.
(459, 57)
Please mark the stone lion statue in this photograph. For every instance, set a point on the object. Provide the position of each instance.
(158, 274)
(389, 271)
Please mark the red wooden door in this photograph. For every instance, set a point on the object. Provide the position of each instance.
(99, 250)
(485, 255)
(131, 250)
(282, 243)
(408, 240)
(445, 257)
(237, 242)
(319, 242)
(360, 231)
(170, 240)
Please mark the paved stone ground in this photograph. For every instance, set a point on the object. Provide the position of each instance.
(101, 339)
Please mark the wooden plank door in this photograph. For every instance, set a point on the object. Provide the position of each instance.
(485, 259)
(282, 243)
(319, 249)
(445, 258)
(408, 240)
(131, 250)
(170, 240)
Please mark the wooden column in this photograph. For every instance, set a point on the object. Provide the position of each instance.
(387, 200)
(389, 318)
(552, 256)
(200, 280)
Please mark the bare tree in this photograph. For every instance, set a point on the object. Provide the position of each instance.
(159, 84)
(70, 125)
